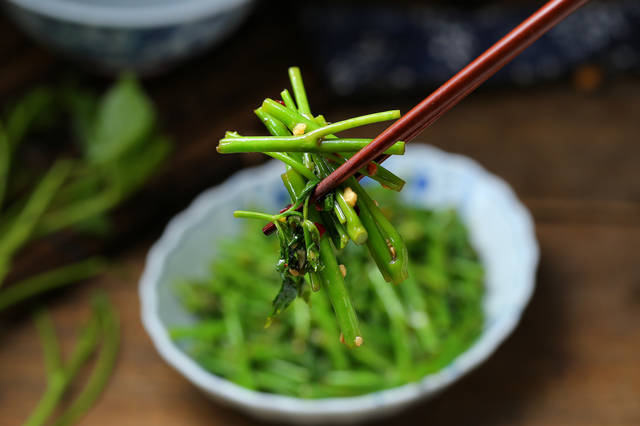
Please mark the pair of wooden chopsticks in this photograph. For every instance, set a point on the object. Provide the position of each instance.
(450, 93)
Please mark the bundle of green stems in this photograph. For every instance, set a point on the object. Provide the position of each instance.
(117, 148)
(100, 337)
(311, 231)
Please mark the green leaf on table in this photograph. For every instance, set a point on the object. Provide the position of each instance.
(118, 138)
(124, 118)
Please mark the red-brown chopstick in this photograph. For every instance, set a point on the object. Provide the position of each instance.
(450, 93)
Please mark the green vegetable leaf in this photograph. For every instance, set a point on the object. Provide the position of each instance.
(124, 118)
(287, 294)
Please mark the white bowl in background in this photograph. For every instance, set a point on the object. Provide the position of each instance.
(500, 228)
(145, 36)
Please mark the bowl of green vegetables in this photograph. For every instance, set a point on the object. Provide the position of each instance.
(208, 285)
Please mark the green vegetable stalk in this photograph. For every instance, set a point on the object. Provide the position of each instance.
(388, 249)
(310, 143)
(22, 226)
(300, 93)
(309, 148)
(331, 275)
(49, 280)
(102, 329)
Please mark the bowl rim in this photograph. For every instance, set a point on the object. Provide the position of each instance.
(492, 336)
(137, 16)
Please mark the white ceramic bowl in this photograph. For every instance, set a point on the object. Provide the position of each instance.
(141, 35)
(501, 230)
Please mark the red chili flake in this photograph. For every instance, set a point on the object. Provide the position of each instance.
(321, 228)
(280, 101)
(372, 169)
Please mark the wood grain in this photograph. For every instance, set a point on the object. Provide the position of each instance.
(571, 157)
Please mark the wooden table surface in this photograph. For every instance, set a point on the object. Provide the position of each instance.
(573, 158)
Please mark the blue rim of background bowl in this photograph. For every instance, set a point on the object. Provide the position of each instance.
(135, 16)
(251, 400)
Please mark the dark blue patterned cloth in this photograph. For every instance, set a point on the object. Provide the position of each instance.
(387, 48)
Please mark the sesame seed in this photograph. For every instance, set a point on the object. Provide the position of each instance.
(299, 129)
(350, 197)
